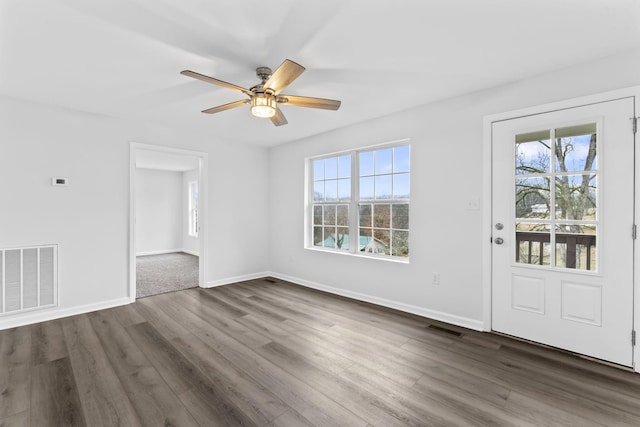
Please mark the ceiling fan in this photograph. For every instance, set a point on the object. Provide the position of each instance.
(265, 97)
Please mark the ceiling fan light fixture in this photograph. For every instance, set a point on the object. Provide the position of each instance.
(263, 105)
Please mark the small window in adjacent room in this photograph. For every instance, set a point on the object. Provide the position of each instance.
(193, 209)
(360, 201)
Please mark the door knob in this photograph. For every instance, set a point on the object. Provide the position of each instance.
(499, 241)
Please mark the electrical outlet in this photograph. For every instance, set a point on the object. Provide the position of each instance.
(435, 278)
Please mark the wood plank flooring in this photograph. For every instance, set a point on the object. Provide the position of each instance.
(269, 353)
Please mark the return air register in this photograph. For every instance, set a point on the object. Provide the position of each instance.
(28, 278)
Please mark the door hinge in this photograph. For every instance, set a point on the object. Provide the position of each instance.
(633, 337)
(634, 232)
(634, 124)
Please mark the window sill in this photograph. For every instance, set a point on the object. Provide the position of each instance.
(386, 258)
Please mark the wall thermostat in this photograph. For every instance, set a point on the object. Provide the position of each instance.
(59, 182)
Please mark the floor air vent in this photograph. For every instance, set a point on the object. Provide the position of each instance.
(445, 330)
(28, 278)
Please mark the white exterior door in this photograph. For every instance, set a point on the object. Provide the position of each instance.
(562, 252)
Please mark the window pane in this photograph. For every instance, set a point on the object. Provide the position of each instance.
(400, 218)
(401, 186)
(400, 243)
(365, 215)
(318, 191)
(381, 241)
(317, 215)
(331, 168)
(401, 159)
(317, 236)
(383, 161)
(331, 190)
(366, 188)
(329, 215)
(533, 153)
(366, 163)
(576, 197)
(344, 167)
(576, 148)
(343, 238)
(383, 187)
(532, 198)
(382, 216)
(329, 237)
(344, 189)
(364, 239)
(342, 215)
(318, 170)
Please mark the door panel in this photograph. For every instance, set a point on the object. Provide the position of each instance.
(562, 257)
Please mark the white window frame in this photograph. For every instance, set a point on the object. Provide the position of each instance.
(193, 209)
(354, 202)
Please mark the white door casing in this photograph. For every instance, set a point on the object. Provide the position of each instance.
(565, 305)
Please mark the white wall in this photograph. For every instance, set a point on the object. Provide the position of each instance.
(89, 219)
(446, 149)
(189, 243)
(159, 211)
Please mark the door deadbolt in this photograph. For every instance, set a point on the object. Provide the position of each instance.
(499, 240)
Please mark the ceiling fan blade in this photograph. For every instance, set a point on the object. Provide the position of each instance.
(226, 106)
(287, 72)
(279, 119)
(305, 101)
(208, 79)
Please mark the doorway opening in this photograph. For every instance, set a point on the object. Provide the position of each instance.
(167, 203)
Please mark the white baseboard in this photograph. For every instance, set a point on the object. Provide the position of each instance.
(453, 319)
(168, 251)
(229, 280)
(9, 321)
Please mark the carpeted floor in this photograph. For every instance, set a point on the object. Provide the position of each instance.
(156, 274)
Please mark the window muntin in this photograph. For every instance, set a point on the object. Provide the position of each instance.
(373, 209)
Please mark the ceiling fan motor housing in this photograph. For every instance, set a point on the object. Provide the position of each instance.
(264, 73)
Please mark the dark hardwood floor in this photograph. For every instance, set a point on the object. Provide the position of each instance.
(269, 353)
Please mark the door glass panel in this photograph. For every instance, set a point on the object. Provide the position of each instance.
(533, 243)
(533, 153)
(575, 148)
(576, 246)
(556, 224)
(576, 197)
(532, 198)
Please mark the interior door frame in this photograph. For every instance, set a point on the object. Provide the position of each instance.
(202, 208)
(487, 198)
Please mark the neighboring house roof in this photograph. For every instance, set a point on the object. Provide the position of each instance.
(364, 242)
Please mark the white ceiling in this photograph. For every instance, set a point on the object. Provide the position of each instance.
(122, 58)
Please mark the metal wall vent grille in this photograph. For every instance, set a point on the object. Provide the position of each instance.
(28, 278)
